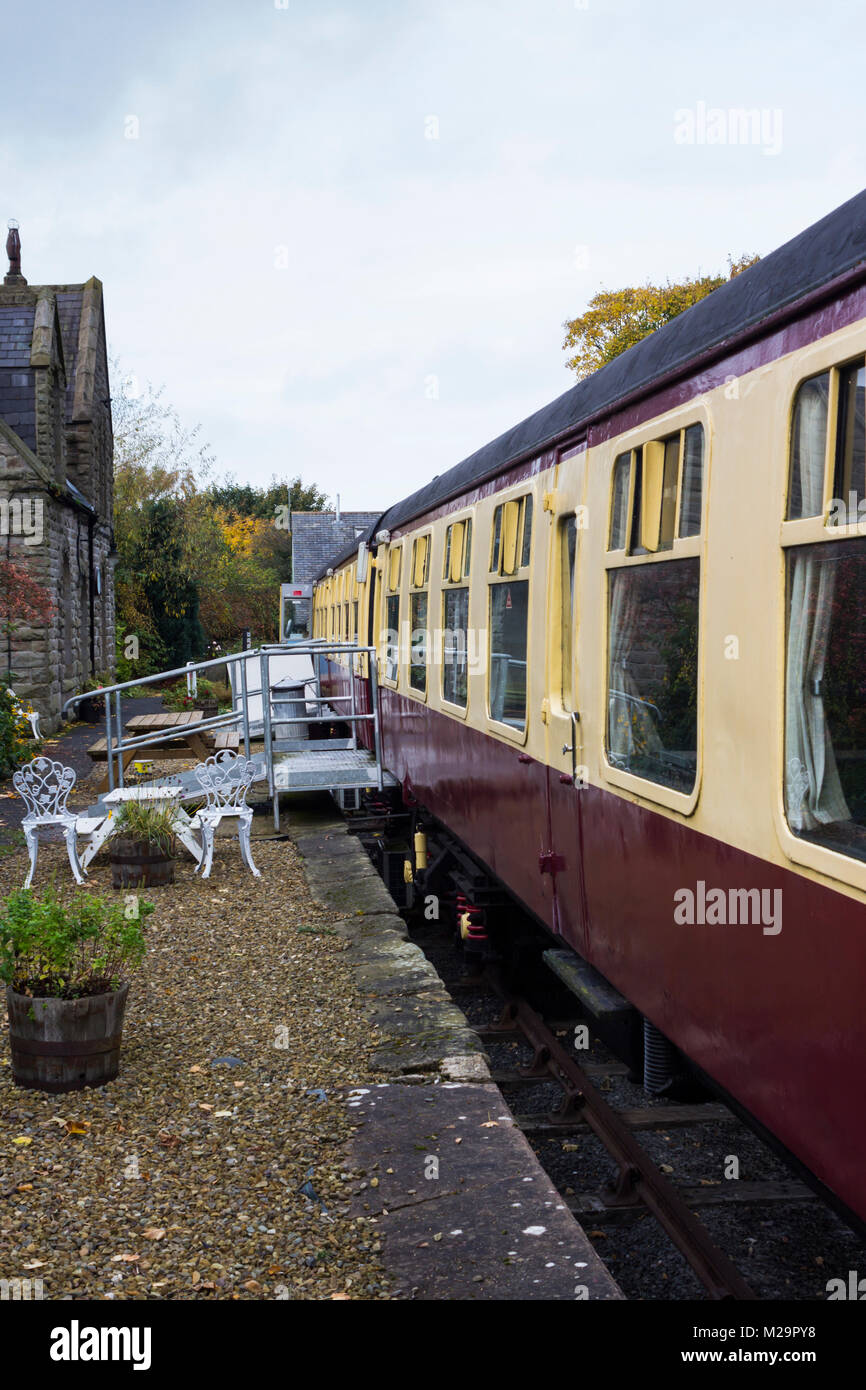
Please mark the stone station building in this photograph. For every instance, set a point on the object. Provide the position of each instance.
(56, 481)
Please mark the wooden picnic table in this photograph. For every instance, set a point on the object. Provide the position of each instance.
(195, 743)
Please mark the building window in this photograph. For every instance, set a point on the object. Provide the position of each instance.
(653, 608)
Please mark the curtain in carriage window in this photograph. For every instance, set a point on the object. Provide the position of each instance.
(813, 792)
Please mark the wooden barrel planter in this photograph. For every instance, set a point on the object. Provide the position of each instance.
(140, 864)
(65, 1044)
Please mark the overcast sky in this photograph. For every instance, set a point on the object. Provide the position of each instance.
(347, 234)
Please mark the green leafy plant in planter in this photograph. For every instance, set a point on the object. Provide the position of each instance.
(66, 967)
(142, 845)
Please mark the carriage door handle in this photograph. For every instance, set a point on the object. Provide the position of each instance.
(572, 747)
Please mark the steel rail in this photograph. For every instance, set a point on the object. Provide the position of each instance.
(639, 1179)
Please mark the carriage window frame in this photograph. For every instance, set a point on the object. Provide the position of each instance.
(451, 585)
(631, 553)
(834, 525)
(498, 577)
(392, 576)
(419, 588)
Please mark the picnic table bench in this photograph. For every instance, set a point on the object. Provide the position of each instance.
(195, 742)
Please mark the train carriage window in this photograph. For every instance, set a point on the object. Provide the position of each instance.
(418, 614)
(567, 554)
(497, 540)
(645, 486)
(512, 536)
(808, 449)
(849, 481)
(652, 671)
(619, 504)
(455, 613)
(527, 530)
(825, 695)
(508, 612)
(418, 656)
(392, 615)
(653, 607)
(825, 659)
(692, 490)
(455, 624)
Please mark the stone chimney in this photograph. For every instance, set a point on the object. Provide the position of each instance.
(13, 251)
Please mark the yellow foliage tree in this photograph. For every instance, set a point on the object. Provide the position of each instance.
(617, 319)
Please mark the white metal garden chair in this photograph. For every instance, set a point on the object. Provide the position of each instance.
(44, 786)
(225, 780)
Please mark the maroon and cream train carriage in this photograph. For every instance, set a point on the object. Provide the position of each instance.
(647, 714)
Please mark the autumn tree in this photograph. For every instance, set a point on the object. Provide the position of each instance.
(617, 319)
(198, 560)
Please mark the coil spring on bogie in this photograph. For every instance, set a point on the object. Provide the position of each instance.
(659, 1060)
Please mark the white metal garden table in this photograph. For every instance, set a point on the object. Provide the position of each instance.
(99, 829)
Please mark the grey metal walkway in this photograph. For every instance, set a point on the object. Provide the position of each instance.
(311, 769)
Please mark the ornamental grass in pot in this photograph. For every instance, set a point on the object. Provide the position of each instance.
(67, 967)
(142, 845)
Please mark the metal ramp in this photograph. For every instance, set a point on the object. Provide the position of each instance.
(315, 769)
(293, 704)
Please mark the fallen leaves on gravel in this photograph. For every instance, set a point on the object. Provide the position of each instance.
(203, 1172)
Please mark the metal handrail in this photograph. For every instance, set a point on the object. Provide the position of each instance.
(117, 745)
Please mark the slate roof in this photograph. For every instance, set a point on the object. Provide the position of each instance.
(831, 248)
(17, 387)
(317, 537)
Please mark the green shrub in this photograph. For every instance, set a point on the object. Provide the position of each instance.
(146, 821)
(55, 950)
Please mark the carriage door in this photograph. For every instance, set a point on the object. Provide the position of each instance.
(566, 773)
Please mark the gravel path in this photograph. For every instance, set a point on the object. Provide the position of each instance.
(212, 1167)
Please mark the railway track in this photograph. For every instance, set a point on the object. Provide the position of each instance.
(644, 1218)
(639, 1188)
(639, 1184)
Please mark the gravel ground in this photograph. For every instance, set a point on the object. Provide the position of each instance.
(212, 1167)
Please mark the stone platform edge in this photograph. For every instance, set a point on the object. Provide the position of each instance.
(463, 1206)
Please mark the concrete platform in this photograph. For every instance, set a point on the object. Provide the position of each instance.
(464, 1209)
(463, 1206)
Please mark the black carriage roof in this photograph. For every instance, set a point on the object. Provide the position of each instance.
(812, 260)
